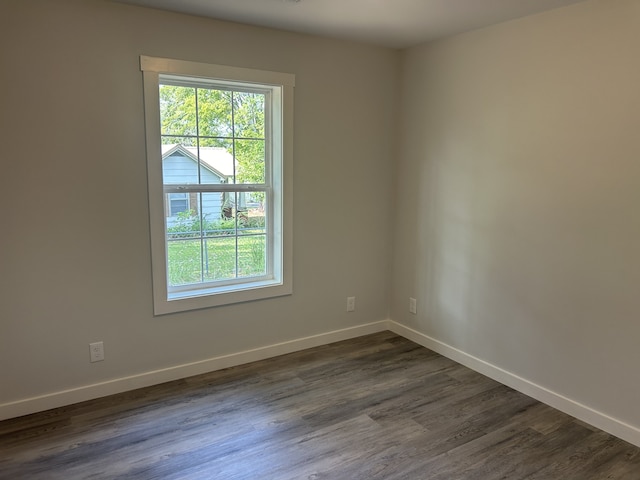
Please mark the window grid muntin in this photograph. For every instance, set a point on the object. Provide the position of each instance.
(233, 188)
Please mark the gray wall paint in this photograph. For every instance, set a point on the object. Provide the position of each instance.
(518, 194)
(514, 210)
(75, 234)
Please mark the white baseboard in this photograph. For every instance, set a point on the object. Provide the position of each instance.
(88, 392)
(119, 385)
(571, 407)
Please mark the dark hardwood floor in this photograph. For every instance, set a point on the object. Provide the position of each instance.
(376, 407)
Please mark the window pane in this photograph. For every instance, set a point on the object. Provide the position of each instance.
(251, 220)
(213, 221)
(214, 113)
(185, 223)
(251, 255)
(249, 161)
(216, 161)
(179, 161)
(177, 110)
(184, 261)
(220, 258)
(229, 204)
(248, 115)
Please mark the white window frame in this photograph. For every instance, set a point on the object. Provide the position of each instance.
(279, 281)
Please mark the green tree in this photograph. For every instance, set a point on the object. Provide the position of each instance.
(220, 118)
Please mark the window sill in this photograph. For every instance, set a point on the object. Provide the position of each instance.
(214, 297)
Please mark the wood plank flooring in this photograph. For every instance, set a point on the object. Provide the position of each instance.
(375, 407)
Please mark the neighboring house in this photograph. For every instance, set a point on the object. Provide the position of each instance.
(180, 165)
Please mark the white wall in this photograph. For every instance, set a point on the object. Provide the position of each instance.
(74, 237)
(518, 227)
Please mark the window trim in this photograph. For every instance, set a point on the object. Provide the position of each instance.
(152, 68)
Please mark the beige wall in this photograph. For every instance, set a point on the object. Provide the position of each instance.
(75, 236)
(519, 196)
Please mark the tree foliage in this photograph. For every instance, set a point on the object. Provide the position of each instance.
(217, 118)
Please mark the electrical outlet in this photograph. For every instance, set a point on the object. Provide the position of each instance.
(351, 304)
(96, 351)
(412, 306)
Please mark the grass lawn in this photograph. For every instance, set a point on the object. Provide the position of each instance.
(214, 258)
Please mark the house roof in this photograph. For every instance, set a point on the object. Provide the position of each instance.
(216, 159)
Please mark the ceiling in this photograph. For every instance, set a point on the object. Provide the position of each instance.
(390, 23)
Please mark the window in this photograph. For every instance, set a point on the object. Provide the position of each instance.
(178, 203)
(219, 148)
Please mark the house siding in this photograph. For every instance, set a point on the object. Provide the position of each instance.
(179, 169)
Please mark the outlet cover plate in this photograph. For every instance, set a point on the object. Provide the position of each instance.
(96, 351)
(412, 306)
(351, 304)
